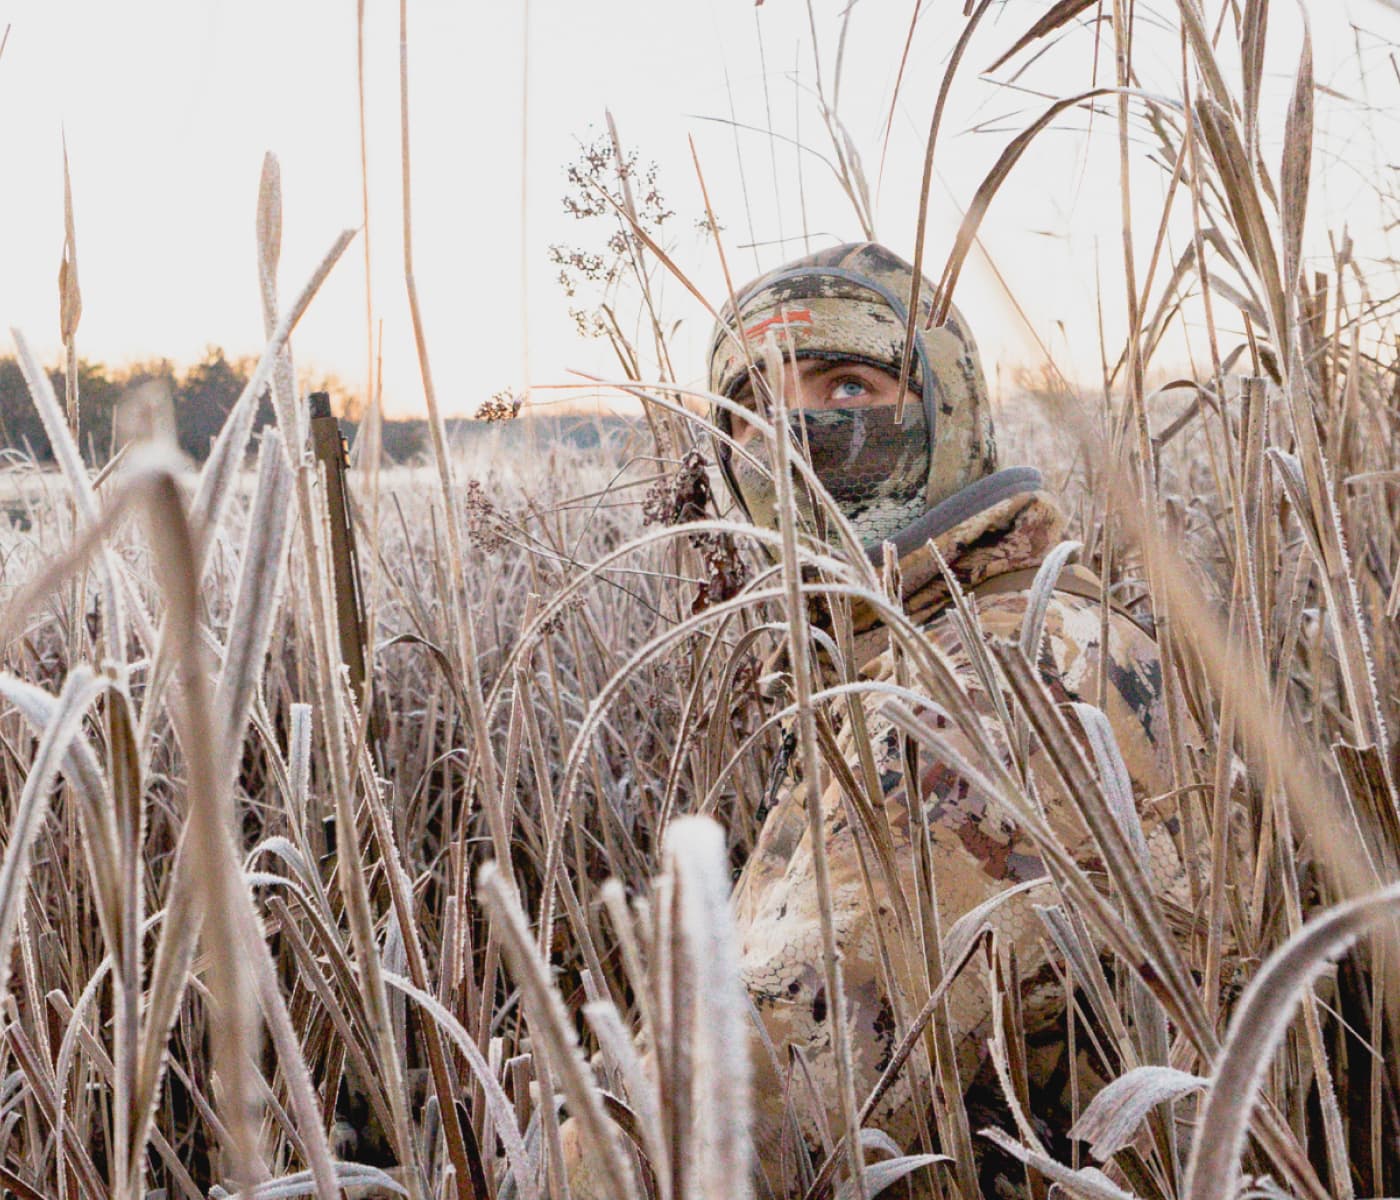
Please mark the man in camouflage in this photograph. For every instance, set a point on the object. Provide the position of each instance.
(932, 480)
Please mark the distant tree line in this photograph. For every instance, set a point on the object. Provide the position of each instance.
(199, 402)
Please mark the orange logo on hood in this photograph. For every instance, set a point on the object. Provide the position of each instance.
(788, 316)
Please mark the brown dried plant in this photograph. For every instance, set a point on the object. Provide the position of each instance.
(575, 655)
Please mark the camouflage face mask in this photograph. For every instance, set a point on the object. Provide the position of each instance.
(875, 470)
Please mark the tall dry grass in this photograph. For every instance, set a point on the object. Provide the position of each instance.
(246, 944)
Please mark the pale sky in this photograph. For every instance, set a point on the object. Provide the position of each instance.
(169, 105)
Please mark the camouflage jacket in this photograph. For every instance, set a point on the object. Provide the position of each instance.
(978, 851)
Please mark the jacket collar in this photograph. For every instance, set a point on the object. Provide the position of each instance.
(1004, 522)
(961, 506)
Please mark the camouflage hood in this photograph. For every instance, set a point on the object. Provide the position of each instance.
(850, 304)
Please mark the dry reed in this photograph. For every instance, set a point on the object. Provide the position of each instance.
(516, 880)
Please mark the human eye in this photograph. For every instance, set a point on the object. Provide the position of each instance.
(849, 387)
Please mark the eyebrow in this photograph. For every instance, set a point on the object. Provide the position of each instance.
(806, 369)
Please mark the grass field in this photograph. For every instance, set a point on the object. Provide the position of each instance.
(537, 818)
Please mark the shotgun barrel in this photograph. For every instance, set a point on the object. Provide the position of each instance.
(330, 451)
